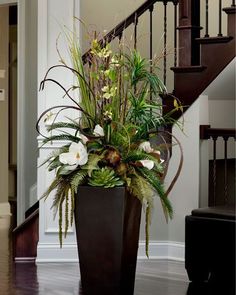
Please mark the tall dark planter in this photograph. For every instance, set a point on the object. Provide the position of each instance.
(107, 227)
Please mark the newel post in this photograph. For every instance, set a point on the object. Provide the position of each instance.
(189, 29)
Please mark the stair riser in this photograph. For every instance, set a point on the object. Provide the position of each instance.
(216, 56)
(188, 86)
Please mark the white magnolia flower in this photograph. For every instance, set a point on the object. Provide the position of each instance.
(77, 155)
(149, 164)
(98, 130)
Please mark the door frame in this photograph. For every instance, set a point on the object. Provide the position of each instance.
(21, 91)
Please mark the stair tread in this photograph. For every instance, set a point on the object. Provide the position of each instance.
(188, 69)
(230, 10)
(33, 215)
(216, 39)
(33, 208)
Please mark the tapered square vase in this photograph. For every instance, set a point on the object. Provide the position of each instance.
(107, 227)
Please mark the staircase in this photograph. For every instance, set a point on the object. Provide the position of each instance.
(195, 73)
(197, 65)
(199, 60)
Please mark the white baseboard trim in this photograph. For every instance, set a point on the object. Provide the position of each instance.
(5, 209)
(53, 253)
(68, 253)
(162, 250)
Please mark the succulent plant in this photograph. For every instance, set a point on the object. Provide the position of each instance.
(105, 177)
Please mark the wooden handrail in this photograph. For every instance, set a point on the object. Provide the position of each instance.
(132, 18)
(206, 132)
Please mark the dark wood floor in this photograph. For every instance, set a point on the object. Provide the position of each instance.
(153, 277)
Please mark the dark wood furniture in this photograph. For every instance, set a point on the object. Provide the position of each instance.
(210, 232)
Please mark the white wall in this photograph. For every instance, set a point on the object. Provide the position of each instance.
(27, 104)
(53, 15)
(185, 194)
(31, 84)
(6, 2)
(222, 107)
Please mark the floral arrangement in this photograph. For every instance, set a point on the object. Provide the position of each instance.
(119, 111)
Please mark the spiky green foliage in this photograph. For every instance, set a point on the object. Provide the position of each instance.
(104, 177)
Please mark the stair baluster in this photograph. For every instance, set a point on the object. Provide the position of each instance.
(175, 32)
(225, 172)
(233, 3)
(222, 171)
(220, 19)
(135, 31)
(165, 41)
(151, 42)
(214, 169)
(207, 19)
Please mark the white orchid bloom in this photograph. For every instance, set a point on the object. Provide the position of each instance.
(149, 164)
(105, 89)
(146, 147)
(98, 130)
(77, 155)
(49, 119)
(83, 138)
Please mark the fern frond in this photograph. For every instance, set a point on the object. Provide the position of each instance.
(72, 206)
(158, 186)
(60, 221)
(55, 183)
(149, 209)
(66, 137)
(62, 125)
(66, 213)
(141, 189)
(77, 179)
(59, 196)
